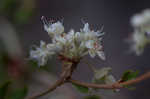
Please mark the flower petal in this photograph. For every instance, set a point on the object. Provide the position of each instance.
(101, 54)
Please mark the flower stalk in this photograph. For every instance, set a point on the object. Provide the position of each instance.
(66, 74)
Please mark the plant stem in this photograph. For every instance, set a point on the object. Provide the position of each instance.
(112, 86)
(64, 76)
(67, 71)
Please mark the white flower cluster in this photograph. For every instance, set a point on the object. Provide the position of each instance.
(141, 35)
(72, 45)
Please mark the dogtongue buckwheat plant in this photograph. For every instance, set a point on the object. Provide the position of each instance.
(71, 45)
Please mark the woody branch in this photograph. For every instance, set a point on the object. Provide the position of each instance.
(66, 74)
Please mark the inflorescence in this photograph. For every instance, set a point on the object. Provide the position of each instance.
(72, 45)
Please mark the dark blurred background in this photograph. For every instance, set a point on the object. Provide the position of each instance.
(114, 15)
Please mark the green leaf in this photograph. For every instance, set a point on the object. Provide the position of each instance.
(92, 97)
(129, 75)
(82, 89)
(18, 93)
(3, 89)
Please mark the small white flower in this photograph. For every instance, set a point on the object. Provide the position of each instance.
(90, 34)
(137, 20)
(101, 54)
(53, 28)
(70, 36)
(141, 34)
(95, 49)
(141, 19)
(86, 28)
(139, 41)
(41, 54)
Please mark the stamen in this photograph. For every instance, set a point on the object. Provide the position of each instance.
(62, 20)
(45, 22)
(102, 28)
(83, 20)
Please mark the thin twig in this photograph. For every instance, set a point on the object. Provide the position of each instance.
(65, 74)
(112, 86)
(52, 87)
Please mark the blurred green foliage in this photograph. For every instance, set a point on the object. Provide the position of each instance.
(6, 91)
(3, 89)
(23, 15)
(18, 11)
(19, 93)
(8, 7)
(3, 72)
